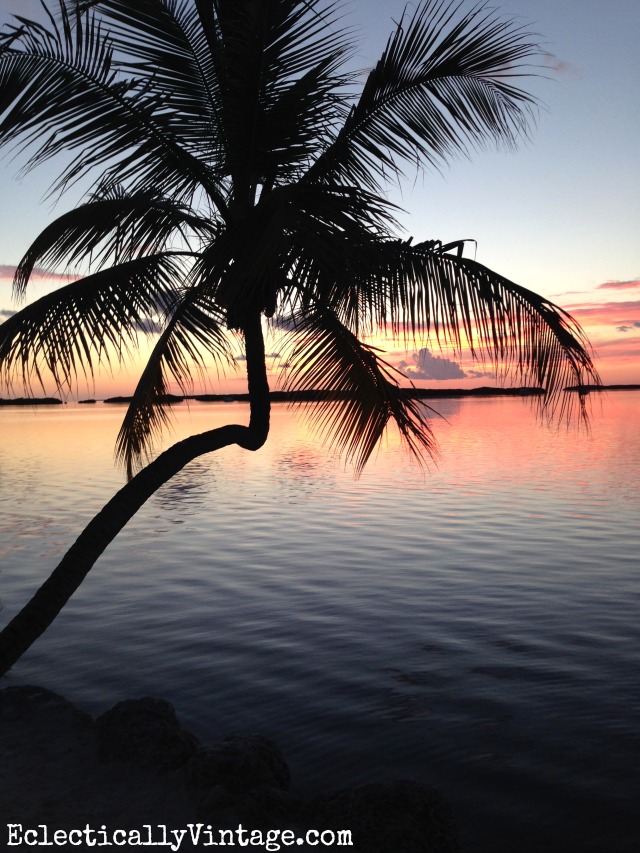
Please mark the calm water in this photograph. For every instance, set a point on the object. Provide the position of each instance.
(475, 627)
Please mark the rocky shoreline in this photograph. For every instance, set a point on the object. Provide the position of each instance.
(136, 766)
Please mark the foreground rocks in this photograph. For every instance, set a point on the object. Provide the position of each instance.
(401, 815)
(136, 765)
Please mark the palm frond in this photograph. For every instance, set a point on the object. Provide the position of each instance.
(60, 91)
(297, 126)
(195, 328)
(112, 228)
(422, 294)
(70, 331)
(333, 236)
(277, 65)
(364, 394)
(161, 42)
(444, 84)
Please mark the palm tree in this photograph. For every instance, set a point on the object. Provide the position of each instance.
(236, 177)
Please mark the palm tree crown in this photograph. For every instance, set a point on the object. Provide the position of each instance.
(240, 177)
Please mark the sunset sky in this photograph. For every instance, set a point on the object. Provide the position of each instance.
(559, 216)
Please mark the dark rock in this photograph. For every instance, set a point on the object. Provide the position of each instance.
(26, 705)
(45, 744)
(266, 807)
(242, 779)
(50, 774)
(146, 732)
(240, 763)
(402, 816)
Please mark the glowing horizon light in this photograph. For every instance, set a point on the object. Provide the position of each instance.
(612, 327)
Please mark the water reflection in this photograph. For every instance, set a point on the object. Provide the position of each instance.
(299, 470)
(477, 628)
(189, 490)
(442, 410)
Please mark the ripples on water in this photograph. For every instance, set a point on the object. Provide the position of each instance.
(475, 626)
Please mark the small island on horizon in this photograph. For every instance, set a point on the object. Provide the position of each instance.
(310, 396)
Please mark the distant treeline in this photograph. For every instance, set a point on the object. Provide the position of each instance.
(586, 389)
(31, 401)
(320, 396)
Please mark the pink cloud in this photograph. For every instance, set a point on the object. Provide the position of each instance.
(620, 285)
(606, 313)
(613, 329)
(7, 272)
(560, 66)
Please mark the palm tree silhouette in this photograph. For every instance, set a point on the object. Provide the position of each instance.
(237, 177)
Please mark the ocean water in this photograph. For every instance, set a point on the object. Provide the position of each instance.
(474, 626)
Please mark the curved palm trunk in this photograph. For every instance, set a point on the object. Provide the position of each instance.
(36, 616)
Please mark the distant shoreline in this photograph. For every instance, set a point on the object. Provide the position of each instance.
(320, 396)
